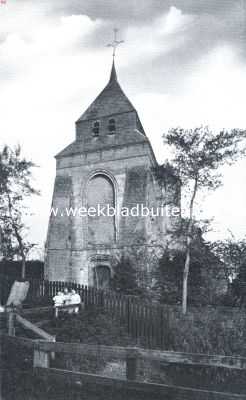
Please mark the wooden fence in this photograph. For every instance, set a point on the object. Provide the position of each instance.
(150, 324)
(145, 321)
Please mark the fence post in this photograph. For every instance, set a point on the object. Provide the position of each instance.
(56, 311)
(162, 331)
(131, 366)
(101, 298)
(1, 289)
(41, 358)
(11, 323)
(128, 315)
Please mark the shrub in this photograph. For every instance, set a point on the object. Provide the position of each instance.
(125, 278)
(93, 326)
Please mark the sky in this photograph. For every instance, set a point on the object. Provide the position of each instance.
(183, 63)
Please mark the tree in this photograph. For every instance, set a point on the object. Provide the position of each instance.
(206, 284)
(198, 155)
(15, 187)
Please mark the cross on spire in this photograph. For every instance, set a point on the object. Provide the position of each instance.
(115, 42)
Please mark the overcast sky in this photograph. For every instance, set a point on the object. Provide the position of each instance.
(183, 63)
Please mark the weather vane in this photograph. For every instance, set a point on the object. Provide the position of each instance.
(115, 42)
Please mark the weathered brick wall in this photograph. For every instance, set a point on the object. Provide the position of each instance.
(58, 227)
(123, 122)
(132, 229)
(69, 253)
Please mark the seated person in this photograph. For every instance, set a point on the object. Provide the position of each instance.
(76, 300)
(66, 297)
(58, 299)
(58, 302)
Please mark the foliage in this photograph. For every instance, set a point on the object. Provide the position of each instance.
(12, 269)
(169, 277)
(208, 330)
(198, 155)
(232, 253)
(124, 279)
(168, 177)
(205, 272)
(93, 326)
(15, 187)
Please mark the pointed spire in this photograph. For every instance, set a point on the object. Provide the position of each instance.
(113, 75)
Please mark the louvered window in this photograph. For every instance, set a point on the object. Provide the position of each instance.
(111, 126)
(96, 128)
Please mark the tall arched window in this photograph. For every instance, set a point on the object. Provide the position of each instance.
(101, 196)
(96, 128)
(111, 126)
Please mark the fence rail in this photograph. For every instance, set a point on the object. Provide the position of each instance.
(44, 372)
(170, 357)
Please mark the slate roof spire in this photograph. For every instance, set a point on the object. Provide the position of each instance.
(113, 74)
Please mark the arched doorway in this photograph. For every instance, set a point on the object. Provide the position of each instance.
(102, 275)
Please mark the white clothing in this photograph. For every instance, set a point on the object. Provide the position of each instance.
(67, 299)
(58, 300)
(75, 299)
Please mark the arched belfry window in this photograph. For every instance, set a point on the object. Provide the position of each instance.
(111, 126)
(96, 128)
(101, 196)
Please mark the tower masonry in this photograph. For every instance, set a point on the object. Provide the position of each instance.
(109, 165)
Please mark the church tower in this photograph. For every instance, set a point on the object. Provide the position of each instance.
(109, 164)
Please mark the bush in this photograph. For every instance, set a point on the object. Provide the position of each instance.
(93, 326)
(34, 269)
(208, 330)
(205, 284)
(170, 277)
(125, 278)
